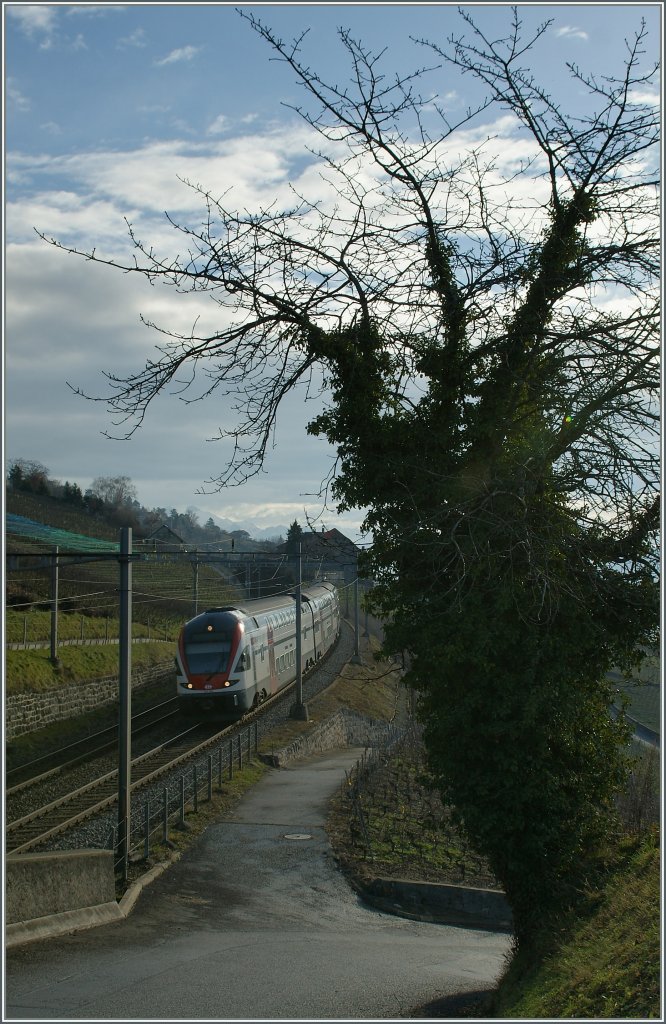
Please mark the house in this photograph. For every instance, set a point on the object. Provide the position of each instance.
(163, 539)
(328, 553)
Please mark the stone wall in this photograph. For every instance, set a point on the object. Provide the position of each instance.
(27, 712)
(342, 729)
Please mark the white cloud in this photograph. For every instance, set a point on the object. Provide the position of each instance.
(80, 318)
(137, 39)
(33, 20)
(176, 56)
(218, 126)
(647, 97)
(95, 10)
(103, 187)
(16, 97)
(570, 32)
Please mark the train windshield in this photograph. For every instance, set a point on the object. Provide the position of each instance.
(207, 655)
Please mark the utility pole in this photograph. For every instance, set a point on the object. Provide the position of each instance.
(299, 709)
(54, 608)
(195, 583)
(125, 700)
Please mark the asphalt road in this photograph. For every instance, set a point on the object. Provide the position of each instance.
(255, 922)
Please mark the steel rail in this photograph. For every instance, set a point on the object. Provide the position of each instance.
(25, 833)
(86, 755)
(33, 829)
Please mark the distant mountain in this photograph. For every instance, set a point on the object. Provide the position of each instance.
(230, 525)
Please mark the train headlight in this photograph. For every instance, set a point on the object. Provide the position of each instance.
(190, 686)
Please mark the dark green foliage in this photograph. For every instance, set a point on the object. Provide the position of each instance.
(492, 389)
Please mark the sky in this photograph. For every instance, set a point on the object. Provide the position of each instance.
(107, 106)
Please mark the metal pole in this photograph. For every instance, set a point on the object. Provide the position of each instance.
(299, 710)
(356, 660)
(195, 569)
(54, 607)
(125, 698)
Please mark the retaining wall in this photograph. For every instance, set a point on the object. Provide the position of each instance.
(50, 883)
(342, 729)
(28, 712)
(439, 902)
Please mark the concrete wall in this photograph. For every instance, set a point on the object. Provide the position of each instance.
(439, 902)
(27, 712)
(39, 884)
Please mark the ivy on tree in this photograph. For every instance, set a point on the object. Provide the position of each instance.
(487, 333)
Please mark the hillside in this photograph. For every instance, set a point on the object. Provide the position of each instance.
(169, 582)
(58, 514)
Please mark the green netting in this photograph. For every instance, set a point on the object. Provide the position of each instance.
(19, 526)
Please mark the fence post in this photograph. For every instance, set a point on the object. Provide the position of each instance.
(231, 759)
(166, 815)
(146, 842)
(240, 754)
(182, 802)
(210, 777)
(195, 787)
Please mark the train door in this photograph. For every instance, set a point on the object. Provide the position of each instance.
(272, 668)
(308, 641)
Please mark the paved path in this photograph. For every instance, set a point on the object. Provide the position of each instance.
(254, 922)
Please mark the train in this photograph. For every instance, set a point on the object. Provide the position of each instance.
(230, 659)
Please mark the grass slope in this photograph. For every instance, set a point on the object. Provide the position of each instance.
(606, 964)
(32, 672)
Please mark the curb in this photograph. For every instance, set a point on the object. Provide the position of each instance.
(66, 923)
(129, 898)
(71, 921)
(439, 903)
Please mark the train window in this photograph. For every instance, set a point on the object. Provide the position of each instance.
(205, 658)
(244, 663)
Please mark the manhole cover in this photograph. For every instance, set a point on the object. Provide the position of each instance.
(297, 835)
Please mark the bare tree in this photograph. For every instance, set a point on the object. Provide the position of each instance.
(114, 490)
(487, 329)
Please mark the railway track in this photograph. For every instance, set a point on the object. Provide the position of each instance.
(26, 833)
(73, 808)
(29, 832)
(32, 773)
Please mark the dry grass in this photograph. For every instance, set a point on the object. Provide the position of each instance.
(371, 689)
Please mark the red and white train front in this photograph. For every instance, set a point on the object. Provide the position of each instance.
(213, 662)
